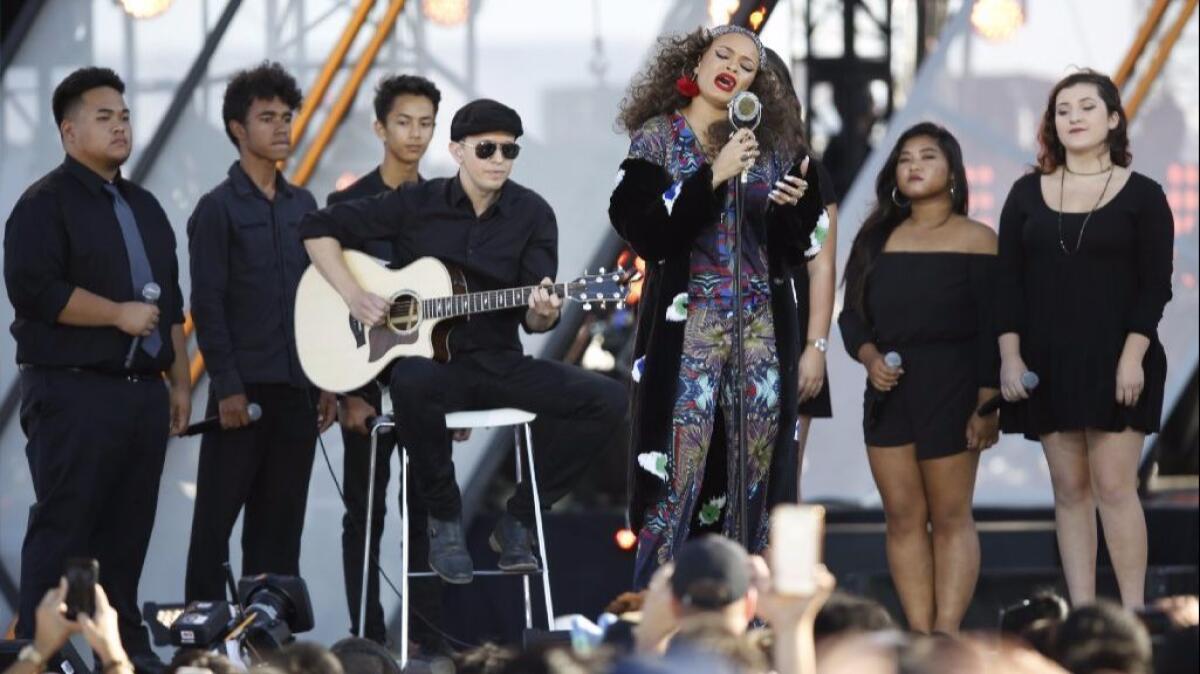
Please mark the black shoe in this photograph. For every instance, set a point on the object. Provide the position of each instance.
(510, 538)
(448, 556)
(147, 663)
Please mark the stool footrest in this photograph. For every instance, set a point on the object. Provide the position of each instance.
(485, 572)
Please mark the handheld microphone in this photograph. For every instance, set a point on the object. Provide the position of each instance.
(214, 423)
(1029, 380)
(150, 294)
(745, 112)
(875, 397)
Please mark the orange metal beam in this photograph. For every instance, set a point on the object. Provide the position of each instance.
(312, 156)
(1160, 59)
(1149, 26)
(325, 77)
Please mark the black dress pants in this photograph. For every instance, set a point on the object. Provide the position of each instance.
(264, 468)
(426, 593)
(96, 446)
(582, 406)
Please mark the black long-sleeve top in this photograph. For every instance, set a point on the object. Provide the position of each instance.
(1073, 312)
(246, 262)
(1119, 281)
(63, 234)
(920, 299)
(514, 243)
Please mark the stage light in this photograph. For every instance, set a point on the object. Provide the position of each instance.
(625, 539)
(343, 181)
(997, 19)
(446, 12)
(720, 11)
(145, 9)
(757, 17)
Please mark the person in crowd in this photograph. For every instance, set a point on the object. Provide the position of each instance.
(920, 284)
(101, 630)
(1086, 245)
(246, 262)
(1103, 638)
(675, 206)
(84, 250)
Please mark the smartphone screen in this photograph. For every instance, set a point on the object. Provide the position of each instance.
(797, 539)
(82, 575)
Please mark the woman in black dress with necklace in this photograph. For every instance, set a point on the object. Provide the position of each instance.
(919, 282)
(1085, 271)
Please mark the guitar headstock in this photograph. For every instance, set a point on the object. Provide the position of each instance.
(601, 287)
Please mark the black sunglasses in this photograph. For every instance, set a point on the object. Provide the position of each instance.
(486, 148)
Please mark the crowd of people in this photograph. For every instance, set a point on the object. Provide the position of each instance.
(715, 610)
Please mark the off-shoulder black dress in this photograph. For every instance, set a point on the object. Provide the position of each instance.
(936, 309)
(1074, 311)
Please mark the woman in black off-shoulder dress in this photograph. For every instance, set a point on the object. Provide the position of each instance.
(1085, 272)
(919, 282)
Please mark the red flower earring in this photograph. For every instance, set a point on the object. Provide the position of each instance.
(687, 86)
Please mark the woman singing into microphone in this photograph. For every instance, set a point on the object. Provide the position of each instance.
(1085, 271)
(919, 282)
(674, 205)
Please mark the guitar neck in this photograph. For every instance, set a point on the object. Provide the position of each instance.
(484, 301)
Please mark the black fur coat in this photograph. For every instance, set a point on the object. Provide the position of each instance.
(664, 239)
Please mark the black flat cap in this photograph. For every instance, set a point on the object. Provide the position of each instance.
(484, 115)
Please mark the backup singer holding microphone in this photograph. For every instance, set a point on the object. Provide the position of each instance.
(920, 282)
(246, 261)
(1085, 271)
(674, 206)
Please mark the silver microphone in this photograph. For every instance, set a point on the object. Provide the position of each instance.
(893, 360)
(745, 112)
(150, 294)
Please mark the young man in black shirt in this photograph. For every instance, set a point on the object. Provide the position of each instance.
(405, 111)
(246, 261)
(501, 235)
(80, 246)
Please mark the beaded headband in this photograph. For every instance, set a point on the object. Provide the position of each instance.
(728, 28)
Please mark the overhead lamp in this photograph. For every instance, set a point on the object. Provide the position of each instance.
(720, 11)
(145, 9)
(997, 20)
(447, 12)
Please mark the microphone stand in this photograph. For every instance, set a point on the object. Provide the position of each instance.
(737, 355)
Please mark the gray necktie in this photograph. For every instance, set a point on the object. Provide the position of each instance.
(139, 264)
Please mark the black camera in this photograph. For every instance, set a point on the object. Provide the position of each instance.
(271, 609)
(276, 607)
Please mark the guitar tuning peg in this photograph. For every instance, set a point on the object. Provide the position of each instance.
(621, 304)
(602, 270)
(587, 306)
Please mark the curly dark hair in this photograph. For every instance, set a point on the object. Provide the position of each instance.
(400, 85)
(886, 215)
(69, 93)
(264, 82)
(1052, 153)
(652, 93)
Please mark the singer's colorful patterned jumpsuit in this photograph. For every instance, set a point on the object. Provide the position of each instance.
(705, 382)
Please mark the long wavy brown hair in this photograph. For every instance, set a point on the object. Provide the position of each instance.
(1052, 153)
(652, 93)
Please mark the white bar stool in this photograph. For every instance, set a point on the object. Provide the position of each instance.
(519, 420)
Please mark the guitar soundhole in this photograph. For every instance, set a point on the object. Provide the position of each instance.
(405, 313)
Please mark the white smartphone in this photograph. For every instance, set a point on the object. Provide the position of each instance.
(797, 542)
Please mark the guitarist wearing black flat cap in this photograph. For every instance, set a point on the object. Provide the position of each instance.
(500, 235)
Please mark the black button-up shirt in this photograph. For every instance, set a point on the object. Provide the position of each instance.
(246, 261)
(368, 186)
(63, 234)
(514, 243)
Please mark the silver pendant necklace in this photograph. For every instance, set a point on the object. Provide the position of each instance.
(1061, 191)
